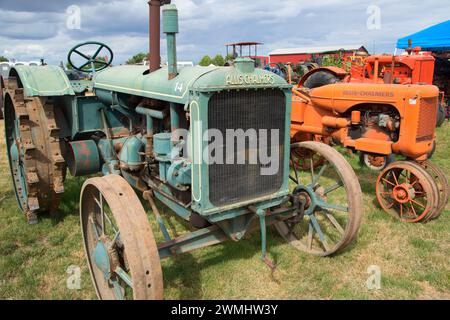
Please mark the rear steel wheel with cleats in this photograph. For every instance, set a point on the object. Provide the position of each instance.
(333, 201)
(120, 248)
(34, 152)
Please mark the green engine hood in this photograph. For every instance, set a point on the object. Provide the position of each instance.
(135, 80)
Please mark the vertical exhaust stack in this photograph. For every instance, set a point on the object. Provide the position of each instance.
(170, 28)
(155, 35)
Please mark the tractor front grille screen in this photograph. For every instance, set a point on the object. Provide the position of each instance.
(427, 119)
(257, 111)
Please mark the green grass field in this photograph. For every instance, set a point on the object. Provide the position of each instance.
(413, 258)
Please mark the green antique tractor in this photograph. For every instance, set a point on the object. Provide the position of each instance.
(210, 143)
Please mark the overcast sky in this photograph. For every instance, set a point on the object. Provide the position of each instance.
(34, 29)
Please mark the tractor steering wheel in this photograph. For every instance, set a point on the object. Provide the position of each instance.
(95, 62)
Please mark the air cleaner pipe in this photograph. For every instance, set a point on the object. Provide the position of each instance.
(157, 114)
(335, 122)
(174, 117)
(150, 115)
(170, 28)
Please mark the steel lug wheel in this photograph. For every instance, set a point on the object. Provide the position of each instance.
(34, 152)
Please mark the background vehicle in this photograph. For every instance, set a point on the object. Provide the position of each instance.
(414, 67)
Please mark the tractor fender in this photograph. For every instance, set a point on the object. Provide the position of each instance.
(336, 71)
(42, 81)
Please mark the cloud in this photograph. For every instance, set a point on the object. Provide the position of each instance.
(42, 6)
(30, 30)
(29, 25)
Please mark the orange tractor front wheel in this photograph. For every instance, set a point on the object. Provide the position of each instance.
(409, 193)
(375, 162)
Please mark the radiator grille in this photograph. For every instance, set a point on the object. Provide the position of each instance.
(427, 119)
(246, 109)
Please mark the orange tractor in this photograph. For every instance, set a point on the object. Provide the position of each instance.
(378, 120)
(414, 67)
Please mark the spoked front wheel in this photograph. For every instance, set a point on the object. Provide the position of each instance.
(332, 200)
(407, 192)
(121, 251)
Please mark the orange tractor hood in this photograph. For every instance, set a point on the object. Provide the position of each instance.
(343, 96)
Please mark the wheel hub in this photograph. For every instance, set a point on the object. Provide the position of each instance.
(306, 198)
(102, 259)
(106, 256)
(403, 193)
(307, 194)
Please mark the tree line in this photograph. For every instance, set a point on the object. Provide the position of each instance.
(217, 60)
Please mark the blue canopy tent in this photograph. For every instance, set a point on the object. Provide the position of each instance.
(435, 38)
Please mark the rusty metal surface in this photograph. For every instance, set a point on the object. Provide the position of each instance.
(141, 252)
(39, 138)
